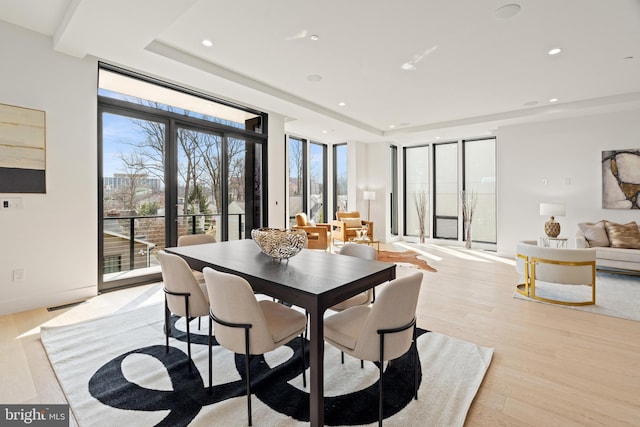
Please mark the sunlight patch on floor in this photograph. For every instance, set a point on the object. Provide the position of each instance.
(495, 258)
(418, 250)
(461, 253)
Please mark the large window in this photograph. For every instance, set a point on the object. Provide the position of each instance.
(317, 178)
(416, 196)
(340, 194)
(393, 179)
(445, 185)
(171, 163)
(297, 181)
(480, 179)
(442, 206)
(307, 177)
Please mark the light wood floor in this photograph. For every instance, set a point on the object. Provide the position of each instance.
(552, 366)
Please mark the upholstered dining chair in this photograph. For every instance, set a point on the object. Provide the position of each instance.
(383, 331)
(196, 239)
(247, 326)
(360, 251)
(183, 295)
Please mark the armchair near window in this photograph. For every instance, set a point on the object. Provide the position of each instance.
(345, 226)
(318, 235)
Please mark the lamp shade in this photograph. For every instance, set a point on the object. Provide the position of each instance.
(368, 195)
(552, 209)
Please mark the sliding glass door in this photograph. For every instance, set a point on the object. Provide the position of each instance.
(166, 171)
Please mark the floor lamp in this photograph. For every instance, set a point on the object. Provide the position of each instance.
(369, 196)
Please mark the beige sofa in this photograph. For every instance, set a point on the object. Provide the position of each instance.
(617, 245)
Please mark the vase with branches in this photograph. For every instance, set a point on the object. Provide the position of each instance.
(421, 209)
(468, 200)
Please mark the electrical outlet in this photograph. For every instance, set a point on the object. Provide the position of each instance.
(18, 275)
(14, 203)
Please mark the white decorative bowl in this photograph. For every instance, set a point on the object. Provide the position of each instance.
(278, 243)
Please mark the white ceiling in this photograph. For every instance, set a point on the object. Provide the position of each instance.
(473, 71)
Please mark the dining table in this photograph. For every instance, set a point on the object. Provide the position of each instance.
(314, 280)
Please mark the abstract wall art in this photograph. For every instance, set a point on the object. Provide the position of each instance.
(621, 179)
(22, 150)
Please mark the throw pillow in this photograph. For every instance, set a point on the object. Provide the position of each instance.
(595, 234)
(352, 222)
(625, 236)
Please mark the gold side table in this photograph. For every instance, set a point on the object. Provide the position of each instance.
(553, 242)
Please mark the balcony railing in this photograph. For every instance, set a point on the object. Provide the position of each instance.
(131, 242)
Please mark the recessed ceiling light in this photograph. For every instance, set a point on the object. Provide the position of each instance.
(553, 100)
(207, 43)
(507, 11)
(314, 37)
(392, 126)
(555, 51)
(324, 131)
(342, 104)
(408, 66)
(314, 78)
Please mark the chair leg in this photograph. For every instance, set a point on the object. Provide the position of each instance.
(361, 364)
(304, 364)
(381, 381)
(188, 319)
(380, 392)
(167, 324)
(199, 325)
(342, 357)
(415, 363)
(188, 342)
(247, 373)
(210, 357)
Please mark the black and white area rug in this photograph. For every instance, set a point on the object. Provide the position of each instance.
(115, 371)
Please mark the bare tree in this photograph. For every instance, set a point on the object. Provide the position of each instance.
(134, 172)
(295, 163)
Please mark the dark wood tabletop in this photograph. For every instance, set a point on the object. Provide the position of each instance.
(313, 280)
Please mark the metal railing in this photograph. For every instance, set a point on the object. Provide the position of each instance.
(133, 239)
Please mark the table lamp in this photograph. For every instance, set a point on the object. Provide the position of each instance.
(551, 227)
(369, 196)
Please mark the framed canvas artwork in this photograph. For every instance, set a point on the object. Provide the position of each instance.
(621, 179)
(22, 150)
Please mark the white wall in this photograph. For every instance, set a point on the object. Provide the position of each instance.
(54, 238)
(378, 180)
(567, 154)
(277, 172)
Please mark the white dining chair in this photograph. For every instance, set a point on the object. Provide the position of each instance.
(247, 326)
(183, 295)
(362, 251)
(382, 331)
